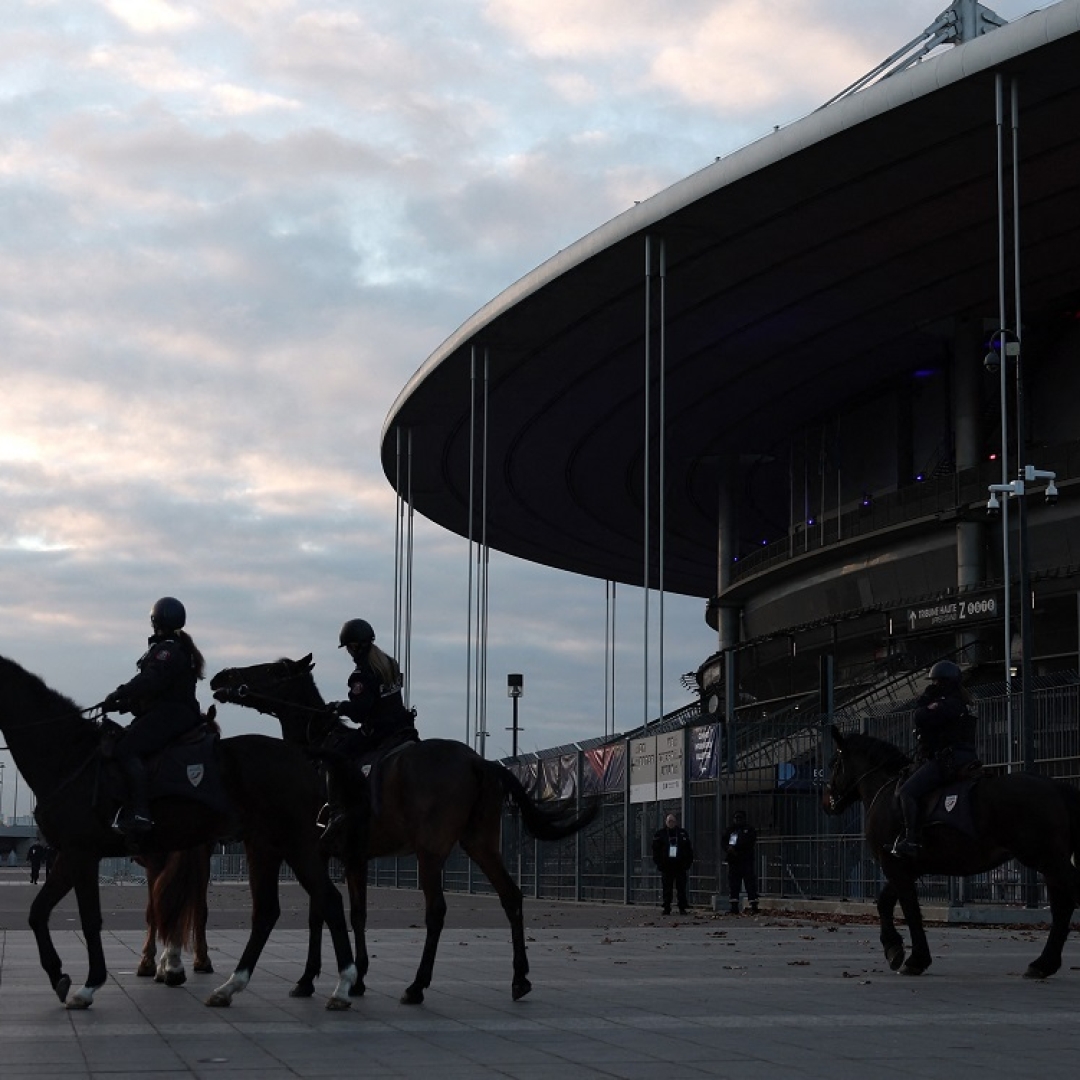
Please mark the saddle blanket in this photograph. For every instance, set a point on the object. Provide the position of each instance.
(951, 805)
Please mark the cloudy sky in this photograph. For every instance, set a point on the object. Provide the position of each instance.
(230, 231)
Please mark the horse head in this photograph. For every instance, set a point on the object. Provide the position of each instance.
(266, 682)
(842, 787)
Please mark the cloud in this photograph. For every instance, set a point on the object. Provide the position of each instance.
(230, 233)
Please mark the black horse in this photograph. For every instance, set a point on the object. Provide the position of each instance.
(431, 795)
(273, 799)
(1016, 815)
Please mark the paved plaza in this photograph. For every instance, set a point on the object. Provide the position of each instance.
(618, 992)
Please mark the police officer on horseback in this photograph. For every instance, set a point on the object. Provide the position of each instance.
(374, 703)
(945, 729)
(162, 699)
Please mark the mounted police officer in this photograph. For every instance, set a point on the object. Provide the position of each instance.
(945, 729)
(161, 698)
(374, 703)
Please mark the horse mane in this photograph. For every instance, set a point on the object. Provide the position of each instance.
(877, 753)
(41, 721)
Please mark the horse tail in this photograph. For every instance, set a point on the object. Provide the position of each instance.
(179, 895)
(542, 823)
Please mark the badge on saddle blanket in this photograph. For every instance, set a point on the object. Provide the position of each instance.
(951, 805)
(187, 769)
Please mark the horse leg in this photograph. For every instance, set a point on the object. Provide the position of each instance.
(356, 880)
(920, 958)
(326, 906)
(429, 871)
(57, 885)
(147, 965)
(263, 869)
(1062, 904)
(170, 966)
(891, 941)
(85, 878)
(202, 962)
(305, 985)
(488, 858)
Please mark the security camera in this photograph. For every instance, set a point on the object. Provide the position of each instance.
(992, 361)
(993, 507)
(1051, 494)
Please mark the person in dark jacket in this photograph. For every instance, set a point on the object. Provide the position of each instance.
(740, 853)
(35, 857)
(374, 704)
(945, 730)
(674, 855)
(162, 701)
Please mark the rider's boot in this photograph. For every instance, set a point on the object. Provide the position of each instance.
(134, 819)
(908, 846)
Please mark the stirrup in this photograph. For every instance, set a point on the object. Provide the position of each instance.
(323, 817)
(132, 824)
(906, 847)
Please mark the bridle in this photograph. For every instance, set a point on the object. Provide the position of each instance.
(264, 702)
(847, 798)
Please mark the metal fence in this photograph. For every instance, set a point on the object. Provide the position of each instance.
(774, 769)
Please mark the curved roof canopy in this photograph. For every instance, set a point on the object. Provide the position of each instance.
(802, 271)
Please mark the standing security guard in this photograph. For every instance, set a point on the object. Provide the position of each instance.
(163, 702)
(945, 729)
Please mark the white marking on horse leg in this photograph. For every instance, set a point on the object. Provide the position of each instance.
(224, 994)
(340, 999)
(83, 998)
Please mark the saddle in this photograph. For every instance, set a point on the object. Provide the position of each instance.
(186, 768)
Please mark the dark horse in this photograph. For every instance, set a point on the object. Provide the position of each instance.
(273, 799)
(431, 795)
(1016, 815)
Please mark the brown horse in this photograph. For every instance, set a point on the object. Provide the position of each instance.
(1018, 815)
(273, 798)
(149, 963)
(432, 795)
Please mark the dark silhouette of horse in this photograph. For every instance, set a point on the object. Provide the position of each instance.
(273, 798)
(431, 795)
(1016, 815)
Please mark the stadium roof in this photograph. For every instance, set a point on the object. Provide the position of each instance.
(802, 271)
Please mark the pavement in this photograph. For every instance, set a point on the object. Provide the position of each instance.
(618, 992)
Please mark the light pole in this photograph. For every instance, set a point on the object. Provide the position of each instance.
(3, 765)
(515, 689)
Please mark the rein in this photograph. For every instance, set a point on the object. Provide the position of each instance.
(244, 694)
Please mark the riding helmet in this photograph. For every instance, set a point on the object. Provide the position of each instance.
(356, 632)
(167, 614)
(945, 669)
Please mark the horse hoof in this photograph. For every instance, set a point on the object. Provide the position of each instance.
(357, 990)
(203, 967)
(175, 978)
(895, 958)
(63, 985)
(218, 1001)
(520, 989)
(302, 990)
(412, 996)
(913, 969)
(1036, 972)
(336, 1004)
(146, 969)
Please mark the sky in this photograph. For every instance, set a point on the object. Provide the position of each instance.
(230, 232)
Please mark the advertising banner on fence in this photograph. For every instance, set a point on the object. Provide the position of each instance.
(669, 765)
(705, 752)
(604, 769)
(643, 769)
(558, 777)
